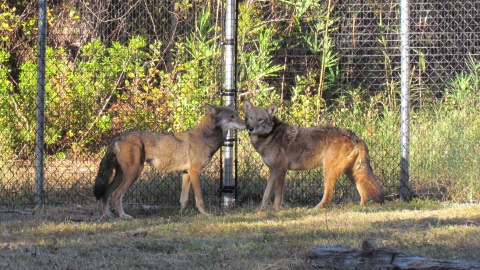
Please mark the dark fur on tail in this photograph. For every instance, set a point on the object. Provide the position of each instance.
(105, 172)
(362, 170)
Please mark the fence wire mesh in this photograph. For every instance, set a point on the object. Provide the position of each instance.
(115, 66)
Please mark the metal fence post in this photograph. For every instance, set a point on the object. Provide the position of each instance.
(405, 100)
(229, 92)
(40, 130)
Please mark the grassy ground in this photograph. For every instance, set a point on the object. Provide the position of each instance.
(242, 238)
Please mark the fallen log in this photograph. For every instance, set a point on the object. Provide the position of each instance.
(17, 211)
(372, 258)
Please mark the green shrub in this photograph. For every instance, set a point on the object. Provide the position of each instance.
(445, 141)
(7, 109)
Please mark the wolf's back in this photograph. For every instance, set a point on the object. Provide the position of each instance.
(105, 172)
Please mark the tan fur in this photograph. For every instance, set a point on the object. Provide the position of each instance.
(189, 151)
(284, 147)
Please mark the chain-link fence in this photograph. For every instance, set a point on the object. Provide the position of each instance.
(115, 66)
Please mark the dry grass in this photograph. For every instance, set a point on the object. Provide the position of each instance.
(76, 238)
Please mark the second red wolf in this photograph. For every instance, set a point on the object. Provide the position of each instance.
(285, 147)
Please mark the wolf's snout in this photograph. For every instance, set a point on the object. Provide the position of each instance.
(249, 128)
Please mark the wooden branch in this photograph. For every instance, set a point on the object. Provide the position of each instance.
(370, 257)
(18, 212)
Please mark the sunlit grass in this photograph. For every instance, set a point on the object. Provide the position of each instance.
(239, 238)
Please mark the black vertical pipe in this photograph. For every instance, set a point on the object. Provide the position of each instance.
(230, 89)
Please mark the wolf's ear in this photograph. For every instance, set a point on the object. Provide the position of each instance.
(272, 110)
(211, 109)
(247, 106)
(231, 105)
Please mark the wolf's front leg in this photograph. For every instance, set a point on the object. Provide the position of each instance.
(185, 190)
(275, 175)
(197, 190)
(279, 190)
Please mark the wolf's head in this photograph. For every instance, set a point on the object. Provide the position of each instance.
(226, 117)
(259, 120)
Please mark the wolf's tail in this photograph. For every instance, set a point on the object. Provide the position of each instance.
(364, 176)
(104, 173)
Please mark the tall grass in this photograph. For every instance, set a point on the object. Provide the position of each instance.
(446, 141)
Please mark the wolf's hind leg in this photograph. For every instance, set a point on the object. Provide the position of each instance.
(359, 185)
(329, 179)
(117, 179)
(333, 166)
(130, 174)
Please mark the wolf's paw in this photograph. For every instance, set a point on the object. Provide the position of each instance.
(184, 210)
(320, 206)
(202, 211)
(205, 213)
(125, 216)
(262, 208)
(107, 215)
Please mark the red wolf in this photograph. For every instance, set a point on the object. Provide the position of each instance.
(188, 151)
(284, 147)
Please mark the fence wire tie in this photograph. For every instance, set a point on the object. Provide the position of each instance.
(228, 93)
(230, 41)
